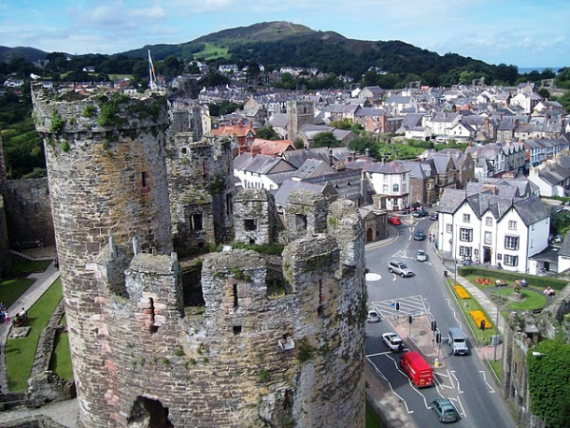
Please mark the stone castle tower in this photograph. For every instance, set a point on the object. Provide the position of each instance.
(299, 113)
(265, 341)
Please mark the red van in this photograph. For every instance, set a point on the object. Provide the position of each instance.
(417, 369)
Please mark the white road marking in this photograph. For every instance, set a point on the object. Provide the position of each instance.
(454, 314)
(390, 385)
(458, 386)
(492, 391)
(462, 410)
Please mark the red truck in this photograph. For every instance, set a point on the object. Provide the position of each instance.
(417, 369)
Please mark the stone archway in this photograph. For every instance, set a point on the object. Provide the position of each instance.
(148, 413)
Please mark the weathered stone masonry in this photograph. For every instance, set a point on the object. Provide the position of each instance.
(252, 355)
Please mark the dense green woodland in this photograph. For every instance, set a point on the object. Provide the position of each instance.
(341, 56)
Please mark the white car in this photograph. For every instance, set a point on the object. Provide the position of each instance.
(393, 341)
(421, 256)
(373, 316)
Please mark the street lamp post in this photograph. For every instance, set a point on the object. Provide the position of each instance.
(495, 342)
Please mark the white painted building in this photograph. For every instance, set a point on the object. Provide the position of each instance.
(487, 228)
(261, 171)
(392, 180)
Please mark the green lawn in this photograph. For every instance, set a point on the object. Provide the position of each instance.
(19, 353)
(61, 359)
(531, 300)
(11, 289)
(20, 265)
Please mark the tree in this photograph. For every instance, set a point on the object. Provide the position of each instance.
(267, 133)
(325, 139)
(544, 93)
(362, 143)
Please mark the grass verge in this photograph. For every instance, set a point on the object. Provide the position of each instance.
(20, 353)
(467, 305)
(11, 289)
(61, 358)
(497, 367)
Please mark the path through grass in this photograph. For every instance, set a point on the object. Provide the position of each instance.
(20, 353)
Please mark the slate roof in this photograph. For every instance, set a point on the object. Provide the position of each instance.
(554, 174)
(260, 164)
(346, 183)
(311, 166)
(531, 210)
(288, 186)
(369, 112)
(565, 247)
(388, 168)
(279, 120)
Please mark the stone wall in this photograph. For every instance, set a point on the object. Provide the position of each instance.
(254, 217)
(5, 257)
(105, 156)
(200, 191)
(33, 422)
(28, 212)
(254, 355)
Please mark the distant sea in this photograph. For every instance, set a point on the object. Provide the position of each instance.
(525, 70)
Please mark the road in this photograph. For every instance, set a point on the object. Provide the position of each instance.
(463, 379)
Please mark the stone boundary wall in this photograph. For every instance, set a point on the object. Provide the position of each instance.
(46, 342)
(34, 422)
(28, 212)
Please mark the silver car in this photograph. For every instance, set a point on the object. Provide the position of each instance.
(421, 256)
(399, 268)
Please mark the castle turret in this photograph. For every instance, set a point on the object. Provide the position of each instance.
(106, 168)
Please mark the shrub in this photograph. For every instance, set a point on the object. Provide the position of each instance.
(57, 123)
(542, 281)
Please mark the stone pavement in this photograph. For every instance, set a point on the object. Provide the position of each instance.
(66, 412)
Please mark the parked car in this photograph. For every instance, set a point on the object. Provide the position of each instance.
(399, 268)
(420, 213)
(393, 341)
(558, 239)
(373, 316)
(419, 235)
(406, 211)
(433, 216)
(421, 256)
(394, 220)
(444, 410)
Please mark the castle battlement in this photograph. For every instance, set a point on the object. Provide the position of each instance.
(236, 339)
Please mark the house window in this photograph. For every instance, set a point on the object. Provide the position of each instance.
(396, 188)
(511, 242)
(512, 225)
(489, 221)
(385, 188)
(511, 260)
(488, 238)
(465, 251)
(466, 235)
(466, 218)
(449, 228)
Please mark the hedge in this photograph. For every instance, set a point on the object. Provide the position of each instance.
(537, 281)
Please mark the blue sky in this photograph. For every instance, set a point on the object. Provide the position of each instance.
(526, 33)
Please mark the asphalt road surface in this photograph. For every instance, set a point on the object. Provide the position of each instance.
(465, 380)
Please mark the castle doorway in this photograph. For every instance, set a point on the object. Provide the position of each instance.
(148, 413)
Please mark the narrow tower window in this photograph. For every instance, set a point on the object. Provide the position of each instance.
(144, 179)
(235, 293)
